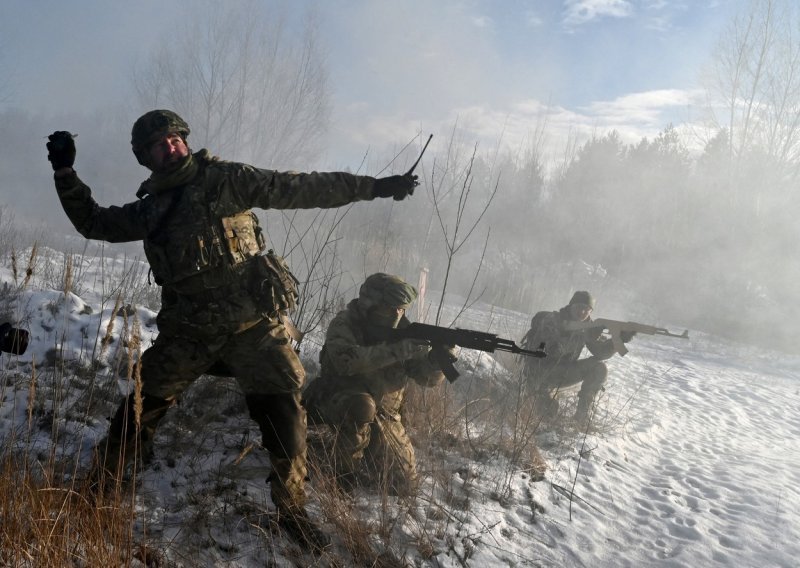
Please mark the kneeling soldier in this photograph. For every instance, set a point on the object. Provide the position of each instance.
(360, 392)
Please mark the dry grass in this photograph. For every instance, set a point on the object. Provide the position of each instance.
(437, 420)
(364, 543)
(47, 517)
(47, 523)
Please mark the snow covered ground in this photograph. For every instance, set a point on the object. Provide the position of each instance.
(692, 462)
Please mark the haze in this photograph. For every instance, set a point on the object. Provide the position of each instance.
(612, 145)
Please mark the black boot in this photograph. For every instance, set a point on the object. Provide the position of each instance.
(118, 449)
(302, 529)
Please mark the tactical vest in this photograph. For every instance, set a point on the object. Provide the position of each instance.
(201, 234)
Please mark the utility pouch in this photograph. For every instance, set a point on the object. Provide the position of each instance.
(277, 287)
(242, 236)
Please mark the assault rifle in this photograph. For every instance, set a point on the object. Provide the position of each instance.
(467, 338)
(615, 328)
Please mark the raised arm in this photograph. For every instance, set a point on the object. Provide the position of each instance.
(114, 224)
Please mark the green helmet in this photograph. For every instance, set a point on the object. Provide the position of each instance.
(152, 125)
(387, 290)
(582, 297)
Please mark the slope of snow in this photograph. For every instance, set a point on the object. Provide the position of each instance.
(691, 462)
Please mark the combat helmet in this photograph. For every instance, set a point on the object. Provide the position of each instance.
(582, 297)
(385, 289)
(151, 126)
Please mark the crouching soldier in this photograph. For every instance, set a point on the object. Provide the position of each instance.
(563, 367)
(362, 383)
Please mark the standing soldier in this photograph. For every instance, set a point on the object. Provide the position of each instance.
(563, 367)
(221, 300)
(362, 383)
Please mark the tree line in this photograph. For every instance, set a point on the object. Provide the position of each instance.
(703, 237)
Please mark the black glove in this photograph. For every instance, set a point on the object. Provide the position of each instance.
(396, 187)
(61, 149)
(626, 336)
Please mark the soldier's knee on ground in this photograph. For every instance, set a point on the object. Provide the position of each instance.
(592, 385)
(282, 421)
(310, 400)
(361, 409)
(598, 372)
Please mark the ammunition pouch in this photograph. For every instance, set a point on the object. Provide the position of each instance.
(243, 238)
(276, 287)
(203, 246)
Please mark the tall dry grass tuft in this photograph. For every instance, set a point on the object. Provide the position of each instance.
(482, 420)
(49, 525)
(47, 517)
(135, 350)
(31, 394)
(109, 334)
(68, 274)
(366, 543)
(14, 269)
(29, 270)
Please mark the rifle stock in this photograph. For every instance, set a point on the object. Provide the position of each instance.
(466, 338)
(615, 329)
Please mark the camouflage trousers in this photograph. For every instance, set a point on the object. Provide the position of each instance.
(268, 371)
(547, 381)
(370, 442)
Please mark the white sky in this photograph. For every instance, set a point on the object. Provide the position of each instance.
(402, 66)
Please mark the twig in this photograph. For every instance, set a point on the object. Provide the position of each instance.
(580, 457)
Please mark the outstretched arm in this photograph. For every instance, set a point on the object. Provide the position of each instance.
(269, 189)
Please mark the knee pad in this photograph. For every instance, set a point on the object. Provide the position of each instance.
(282, 422)
(361, 409)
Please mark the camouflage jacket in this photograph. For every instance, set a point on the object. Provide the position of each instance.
(351, 360)
(563, 346)
(199, 236)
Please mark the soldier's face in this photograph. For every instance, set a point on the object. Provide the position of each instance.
(580, 312)
(167, 151)
(386, 316)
